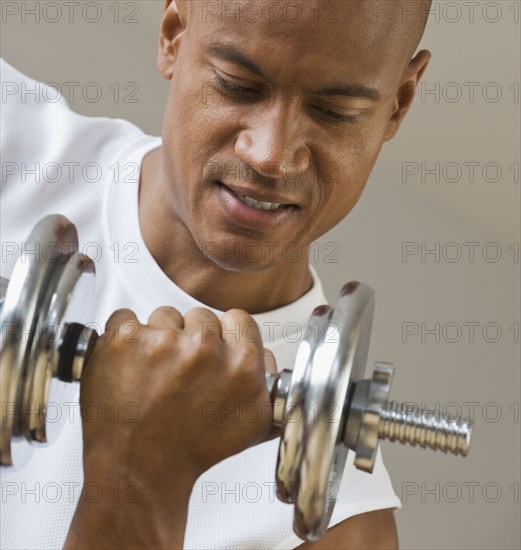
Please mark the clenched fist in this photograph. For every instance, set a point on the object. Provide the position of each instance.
(165, 380)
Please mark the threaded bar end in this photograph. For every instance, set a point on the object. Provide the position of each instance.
(424, 428)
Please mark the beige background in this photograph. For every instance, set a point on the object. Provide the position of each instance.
(449, 502)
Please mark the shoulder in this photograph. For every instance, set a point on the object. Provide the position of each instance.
(37, 124)
(375, 530)
(53, 159)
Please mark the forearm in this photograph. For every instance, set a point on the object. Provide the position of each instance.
(114, 514)
(96, 526)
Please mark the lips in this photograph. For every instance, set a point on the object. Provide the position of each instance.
(261, 196)
(260, 220)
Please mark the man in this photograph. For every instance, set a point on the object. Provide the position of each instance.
(273, 124)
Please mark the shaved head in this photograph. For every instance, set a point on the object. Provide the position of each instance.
(423, 7)
(409, 17)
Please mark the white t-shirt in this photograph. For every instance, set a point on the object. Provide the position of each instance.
(56, 161)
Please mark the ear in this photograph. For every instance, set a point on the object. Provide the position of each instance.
(406, 92)
(172, 29)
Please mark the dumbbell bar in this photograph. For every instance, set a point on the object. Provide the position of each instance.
(323, 406)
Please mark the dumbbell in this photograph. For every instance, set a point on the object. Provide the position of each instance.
(324, 406)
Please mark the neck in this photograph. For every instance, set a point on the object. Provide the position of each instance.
(171, 244)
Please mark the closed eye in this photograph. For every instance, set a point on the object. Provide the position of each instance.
(338, 117)
(243, 93)
(236, 88)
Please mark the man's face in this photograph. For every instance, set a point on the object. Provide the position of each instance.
(283, 105)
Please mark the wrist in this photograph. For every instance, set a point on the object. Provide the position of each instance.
(116, 513)
(121, 506)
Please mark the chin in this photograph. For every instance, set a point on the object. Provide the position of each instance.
(238, 264)
(238, 255)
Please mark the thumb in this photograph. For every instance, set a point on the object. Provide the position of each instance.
(270, 363)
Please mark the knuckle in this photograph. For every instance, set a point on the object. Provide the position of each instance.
(118, 317)
(210, 331)
(239, 326)
(246, 358)
(199, 352)
(204, 312)
(238, 314)
(129, 331)
(205, 319)
(159, 343)
(119, 333)
(168, 310)
(251, 331)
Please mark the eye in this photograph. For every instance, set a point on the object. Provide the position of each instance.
(353, 119)
(241, 92)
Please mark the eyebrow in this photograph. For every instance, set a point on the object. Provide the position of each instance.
(349, 90)
(227, 52)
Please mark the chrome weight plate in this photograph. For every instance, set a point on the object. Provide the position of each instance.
(28, 302)
(48, 399)
(293, 430)
(338, 361)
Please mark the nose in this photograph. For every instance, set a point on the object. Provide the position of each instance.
(273, 146)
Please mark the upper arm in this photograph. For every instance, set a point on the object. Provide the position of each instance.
(372, 530)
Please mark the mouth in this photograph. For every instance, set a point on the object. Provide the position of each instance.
(260, 205)
(259, 200)
(255, 210)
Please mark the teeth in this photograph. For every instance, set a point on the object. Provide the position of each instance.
(259, 205)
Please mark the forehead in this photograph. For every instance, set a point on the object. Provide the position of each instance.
(350, 38)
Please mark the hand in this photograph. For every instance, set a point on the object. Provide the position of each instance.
(180, 387)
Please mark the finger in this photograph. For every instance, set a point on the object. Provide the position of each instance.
(119, 317)
(202, 321)
(166, 317)
(122, 325)
(239, 327)
(270, 363)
